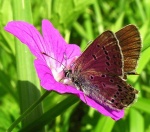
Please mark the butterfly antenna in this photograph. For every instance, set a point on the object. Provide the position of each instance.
(52, 58)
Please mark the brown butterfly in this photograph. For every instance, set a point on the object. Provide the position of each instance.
(101, 69)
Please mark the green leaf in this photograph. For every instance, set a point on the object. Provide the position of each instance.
(143, 104)
(136, 121)
(105, 124)
(28, 84)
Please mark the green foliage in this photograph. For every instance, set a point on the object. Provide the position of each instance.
(79, 21)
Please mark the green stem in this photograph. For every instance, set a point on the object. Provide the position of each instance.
(28, 111)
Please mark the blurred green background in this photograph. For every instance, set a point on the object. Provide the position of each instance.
(79, 21)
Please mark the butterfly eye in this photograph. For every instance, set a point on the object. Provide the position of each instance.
(68, 73)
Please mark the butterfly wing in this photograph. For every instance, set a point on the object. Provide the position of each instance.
(104, 55)
(98, 72)
(130, 42)
(109, 90)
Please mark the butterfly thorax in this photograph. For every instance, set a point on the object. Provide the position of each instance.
(77, 81)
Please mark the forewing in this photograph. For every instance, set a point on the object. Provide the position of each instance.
(130, 42)
(108, 90)
(104, 55)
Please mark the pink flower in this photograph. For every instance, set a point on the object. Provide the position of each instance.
(53, 55)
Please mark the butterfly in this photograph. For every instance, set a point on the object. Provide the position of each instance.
(101, 70)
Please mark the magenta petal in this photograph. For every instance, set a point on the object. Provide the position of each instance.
(116, 115)
(28, 35)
